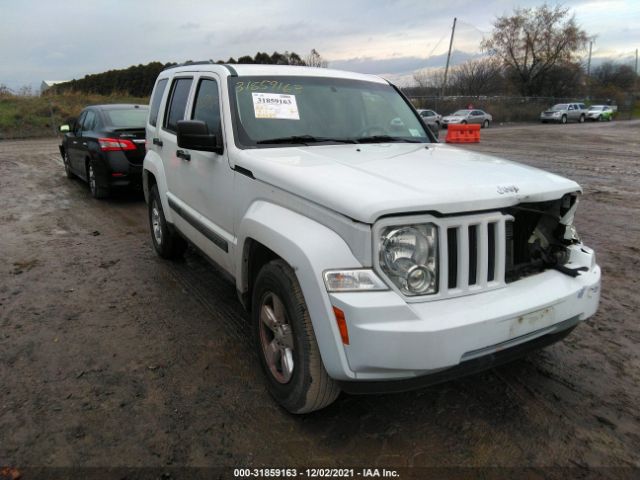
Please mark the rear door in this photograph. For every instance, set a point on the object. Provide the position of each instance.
(74, 142)
(175, 109)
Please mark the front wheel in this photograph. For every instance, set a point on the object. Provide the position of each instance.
(485, 124)
(286, 343)
(67, 167)
(563, 120)
(166, 242)
(581, 119)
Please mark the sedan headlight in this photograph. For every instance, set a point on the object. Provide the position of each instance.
(409, 257)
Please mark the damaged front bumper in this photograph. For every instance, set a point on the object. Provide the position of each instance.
(392, 340)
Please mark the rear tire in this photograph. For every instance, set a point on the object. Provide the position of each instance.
(286, 343)
(581, 120)
(166, 241)
(97, 191)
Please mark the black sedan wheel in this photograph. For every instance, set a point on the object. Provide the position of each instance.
(97, 191)
(67, 168)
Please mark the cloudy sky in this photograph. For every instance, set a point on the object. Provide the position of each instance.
(61, 40)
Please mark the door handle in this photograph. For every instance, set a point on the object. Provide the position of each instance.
(184, 155)
(157, 141)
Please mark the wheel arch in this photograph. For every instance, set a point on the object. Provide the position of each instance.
(153, 174)
(268, 231)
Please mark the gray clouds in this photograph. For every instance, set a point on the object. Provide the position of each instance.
(67, 39)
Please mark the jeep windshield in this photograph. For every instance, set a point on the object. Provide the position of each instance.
(561, 106)
(284, 111)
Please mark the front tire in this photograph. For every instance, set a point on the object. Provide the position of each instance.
(581, 119)
(286, 342)
(563, 120)
(485, 124)
(166, 242)
(67, 167)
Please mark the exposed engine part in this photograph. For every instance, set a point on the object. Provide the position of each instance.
(538, 237)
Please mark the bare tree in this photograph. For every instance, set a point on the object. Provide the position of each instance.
(477, 77)
(427, 79)
(534, 40)
(314, 59)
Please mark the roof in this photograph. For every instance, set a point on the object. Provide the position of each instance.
(119, 106)
(274, 70)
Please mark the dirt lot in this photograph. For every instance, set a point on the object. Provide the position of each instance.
(110, 356)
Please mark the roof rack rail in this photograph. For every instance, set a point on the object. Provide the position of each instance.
(186, 64)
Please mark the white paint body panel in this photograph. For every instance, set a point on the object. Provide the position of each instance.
(316, 207)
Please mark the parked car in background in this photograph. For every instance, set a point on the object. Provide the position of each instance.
(105, 146)
(600, 113)
(430, 116)
(565, 112)
(468, 116)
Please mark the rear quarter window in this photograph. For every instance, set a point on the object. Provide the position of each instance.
(155, 101)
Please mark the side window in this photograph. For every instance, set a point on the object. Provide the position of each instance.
(207, 105)
(155, 101)
(77, 127)
(89, 121)
(177, 104)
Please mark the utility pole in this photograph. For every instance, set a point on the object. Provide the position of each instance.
(589, 71)
(635, 84)
(446, 68)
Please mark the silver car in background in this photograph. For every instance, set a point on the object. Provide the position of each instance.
(565, 112)
(468, 116)
(430, 116)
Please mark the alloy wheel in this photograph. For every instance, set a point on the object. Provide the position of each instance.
(276, 338)
(155, 222)
(92, 179)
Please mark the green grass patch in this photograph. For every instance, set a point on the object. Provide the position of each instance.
(30, 116)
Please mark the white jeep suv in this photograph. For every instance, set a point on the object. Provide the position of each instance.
(371, 257)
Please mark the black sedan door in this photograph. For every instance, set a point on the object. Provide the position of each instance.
(73, 147)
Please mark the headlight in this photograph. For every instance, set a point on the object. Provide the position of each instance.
(408, 256)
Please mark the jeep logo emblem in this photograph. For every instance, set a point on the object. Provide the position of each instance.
(508, 189)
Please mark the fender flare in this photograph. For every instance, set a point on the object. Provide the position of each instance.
(309, 248)
(153, 164)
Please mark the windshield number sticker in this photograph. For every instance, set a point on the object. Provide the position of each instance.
(275, 106)
(414, 132)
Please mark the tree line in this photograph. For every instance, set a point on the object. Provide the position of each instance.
(138, 80)
(534, 52)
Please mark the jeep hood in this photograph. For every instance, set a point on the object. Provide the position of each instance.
(365, 182)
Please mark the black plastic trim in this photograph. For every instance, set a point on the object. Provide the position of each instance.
(232, 71)
(244, 171)
(198, 225)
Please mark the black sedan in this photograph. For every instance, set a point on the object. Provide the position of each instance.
(105, 146)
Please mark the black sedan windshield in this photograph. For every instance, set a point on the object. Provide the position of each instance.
(283, 111)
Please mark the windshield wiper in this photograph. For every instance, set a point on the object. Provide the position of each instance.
(385, 139)
(304, 140)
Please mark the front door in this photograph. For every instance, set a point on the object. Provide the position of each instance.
(208, 178)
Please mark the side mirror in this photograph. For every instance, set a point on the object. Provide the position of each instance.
(64, 128)
(194, 135)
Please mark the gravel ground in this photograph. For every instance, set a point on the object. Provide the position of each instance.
(110, 356)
